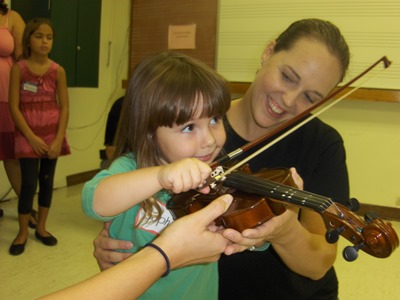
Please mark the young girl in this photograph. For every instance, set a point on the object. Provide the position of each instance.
(170, 130)
(36, 84)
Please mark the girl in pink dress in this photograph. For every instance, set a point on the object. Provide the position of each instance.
(39, 107)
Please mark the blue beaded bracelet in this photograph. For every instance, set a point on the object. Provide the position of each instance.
(164, 255)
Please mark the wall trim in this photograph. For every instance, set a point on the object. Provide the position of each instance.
(384, 212)
(81, 177)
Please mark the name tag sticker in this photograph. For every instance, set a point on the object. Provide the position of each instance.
(30, 87)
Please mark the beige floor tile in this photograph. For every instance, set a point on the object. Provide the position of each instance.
(42, 269)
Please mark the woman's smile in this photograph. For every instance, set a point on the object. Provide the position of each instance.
(274, 108)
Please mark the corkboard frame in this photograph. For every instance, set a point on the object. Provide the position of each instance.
(150, 20)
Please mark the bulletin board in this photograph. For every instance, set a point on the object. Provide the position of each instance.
(155, 22)
(371, 28)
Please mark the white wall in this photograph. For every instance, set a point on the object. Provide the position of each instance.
(89, 106)
(371, 132)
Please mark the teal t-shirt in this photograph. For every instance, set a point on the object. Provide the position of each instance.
(193, 282)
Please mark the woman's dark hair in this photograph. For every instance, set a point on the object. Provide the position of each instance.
(321, 31)
(3, 7)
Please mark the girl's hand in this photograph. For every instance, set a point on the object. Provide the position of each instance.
(38, 145)
(54, 149)
(183, 175)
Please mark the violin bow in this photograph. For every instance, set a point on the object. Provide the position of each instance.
(289, 122)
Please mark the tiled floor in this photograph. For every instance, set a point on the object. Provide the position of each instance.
(41, 269)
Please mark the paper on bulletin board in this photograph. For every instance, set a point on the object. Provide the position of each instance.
(182, 36)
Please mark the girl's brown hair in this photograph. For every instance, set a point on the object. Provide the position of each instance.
(30, 28)
(164, 90)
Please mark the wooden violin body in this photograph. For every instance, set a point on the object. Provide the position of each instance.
(246, 211)
(259, 197)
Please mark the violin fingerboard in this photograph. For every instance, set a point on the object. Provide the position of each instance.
(264, 187)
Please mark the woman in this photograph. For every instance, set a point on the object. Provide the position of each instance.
(300, 67)
(11, 30)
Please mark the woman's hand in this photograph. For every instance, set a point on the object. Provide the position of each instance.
(189, 240)
(270, 231)
(105, 249)
(267, 232)
(297, 179)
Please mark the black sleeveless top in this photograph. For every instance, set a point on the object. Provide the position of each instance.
(316, 150)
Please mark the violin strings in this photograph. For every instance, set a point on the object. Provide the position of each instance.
(286, 193)
(280, 191)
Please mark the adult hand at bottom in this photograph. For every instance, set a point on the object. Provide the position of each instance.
(190, 240)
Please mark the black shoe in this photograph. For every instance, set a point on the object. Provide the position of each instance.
(34, 216)
(46, 240)
(17, 249)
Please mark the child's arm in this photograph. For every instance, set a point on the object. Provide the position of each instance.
(117, 193)
(62, 96)
(38, 145)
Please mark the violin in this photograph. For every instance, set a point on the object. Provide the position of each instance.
(260, 196)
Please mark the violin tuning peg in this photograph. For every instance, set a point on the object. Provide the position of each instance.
(350, 253)
(370, 216)
(332, 236)
(353, 204)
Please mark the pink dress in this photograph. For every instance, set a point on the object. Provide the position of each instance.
(39, 106)
(6, 122)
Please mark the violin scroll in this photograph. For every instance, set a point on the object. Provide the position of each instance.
(380, 240)
(372, 236)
